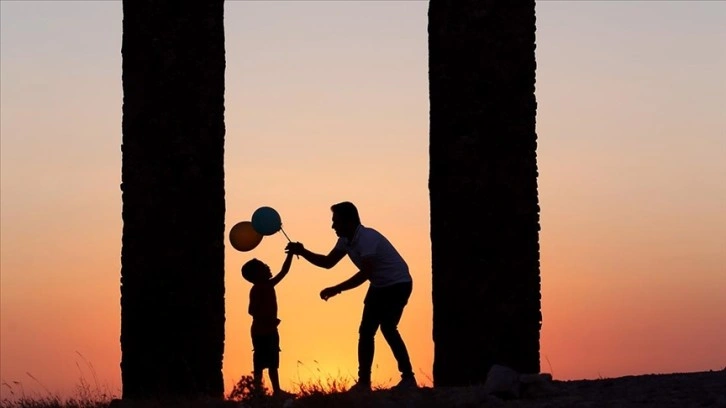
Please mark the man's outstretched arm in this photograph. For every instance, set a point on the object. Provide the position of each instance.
(353, 282)
(322, 261)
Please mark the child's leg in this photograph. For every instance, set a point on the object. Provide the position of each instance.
(274, 364)
(258, 380)
(274, 379)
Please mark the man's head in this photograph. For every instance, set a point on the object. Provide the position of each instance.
(256, 271)
(345, 219)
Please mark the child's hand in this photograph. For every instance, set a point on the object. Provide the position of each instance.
(327, 293)
(295, 248)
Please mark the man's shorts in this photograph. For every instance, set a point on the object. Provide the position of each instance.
(266, 351)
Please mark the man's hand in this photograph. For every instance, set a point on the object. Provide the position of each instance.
(295, 248)
(327, 293)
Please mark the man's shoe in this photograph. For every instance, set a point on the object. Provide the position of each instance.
(283, 394)
(406, 383)
(360, 386)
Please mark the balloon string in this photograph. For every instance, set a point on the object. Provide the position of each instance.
(283, 232)
(288, 239)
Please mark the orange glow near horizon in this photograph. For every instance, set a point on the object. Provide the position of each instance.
(328, 101)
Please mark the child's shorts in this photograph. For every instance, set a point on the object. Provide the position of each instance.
(266, 351)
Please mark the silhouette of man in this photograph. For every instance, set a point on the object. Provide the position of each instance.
(388, 292)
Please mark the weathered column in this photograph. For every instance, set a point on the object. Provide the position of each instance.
(483, 188)
(172, 257)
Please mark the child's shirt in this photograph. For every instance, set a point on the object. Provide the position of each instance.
(263, 309)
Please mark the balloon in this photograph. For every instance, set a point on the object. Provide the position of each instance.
(266, 221)
(243, 236)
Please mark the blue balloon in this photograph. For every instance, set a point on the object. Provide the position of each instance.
(266, 221)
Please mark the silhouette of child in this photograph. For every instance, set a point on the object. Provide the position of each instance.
(263, 309)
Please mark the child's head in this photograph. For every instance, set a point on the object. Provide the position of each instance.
(256, 271)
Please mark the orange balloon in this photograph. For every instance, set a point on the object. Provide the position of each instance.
(243, 236)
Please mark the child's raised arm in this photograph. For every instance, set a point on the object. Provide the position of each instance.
(284, 270)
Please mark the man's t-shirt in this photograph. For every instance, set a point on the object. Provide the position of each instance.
(389, 267)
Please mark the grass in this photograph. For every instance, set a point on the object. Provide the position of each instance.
(327, 391)
(330, 391)
(88, 394)
(321, 392)
(14, 396)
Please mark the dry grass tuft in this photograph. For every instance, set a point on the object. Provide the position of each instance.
(86, 397)
(88, 393)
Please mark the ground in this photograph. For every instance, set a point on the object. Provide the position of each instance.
(678, 390)
(681, 390)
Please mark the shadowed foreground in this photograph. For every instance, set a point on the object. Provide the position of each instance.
(679, 390)
(682, 390)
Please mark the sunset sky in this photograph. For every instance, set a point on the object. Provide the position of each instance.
(327, 101)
